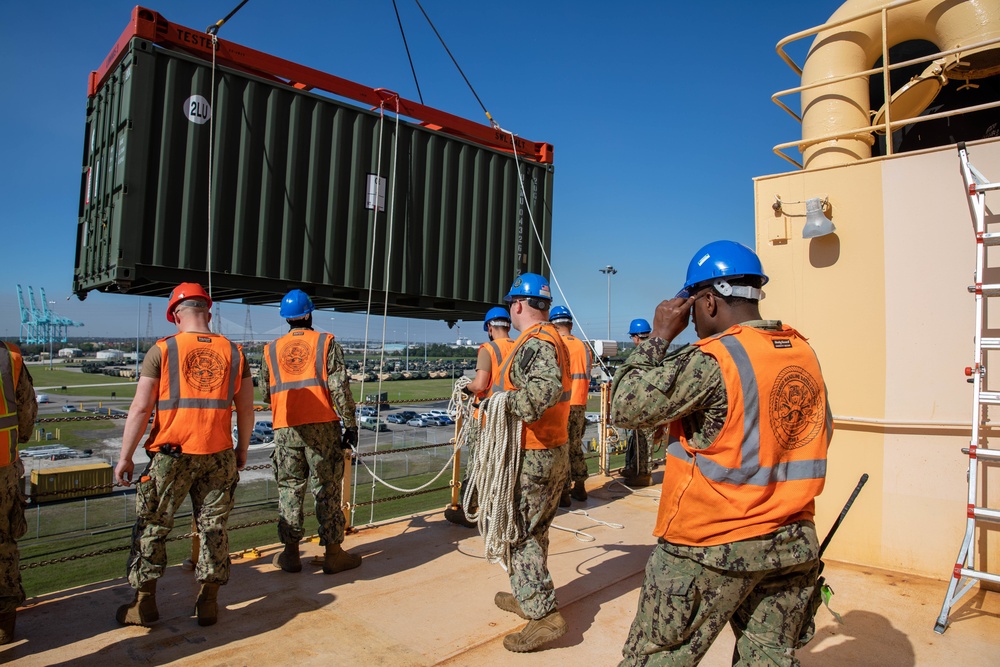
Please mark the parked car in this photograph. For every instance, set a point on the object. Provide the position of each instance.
(407, 415)
(418, 421)
(445, 420)
(593, 417)
(367, 411)
(440, 413)
(70, 408)
(264, 430)
(255, 437)
(43, 398)
(398, 418)
(372, 424)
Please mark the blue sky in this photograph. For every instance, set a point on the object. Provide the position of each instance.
(659, 112)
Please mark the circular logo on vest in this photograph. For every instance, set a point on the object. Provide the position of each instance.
(204, 369)
(794, 408)
(295, 357)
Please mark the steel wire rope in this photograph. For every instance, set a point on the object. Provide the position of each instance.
(211, 171)
(406, 46)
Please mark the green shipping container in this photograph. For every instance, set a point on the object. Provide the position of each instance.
(289, 179)
(51, 484)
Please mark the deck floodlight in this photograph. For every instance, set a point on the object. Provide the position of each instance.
(817, 224)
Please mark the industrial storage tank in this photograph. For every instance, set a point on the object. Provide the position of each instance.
(240, 168)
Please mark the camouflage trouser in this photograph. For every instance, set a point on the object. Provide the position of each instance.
(683, 606)
(475, 427)
(637, 452)
(577, 425)
(299, 450)
(211, 481)
(543, 473)
(12, 527)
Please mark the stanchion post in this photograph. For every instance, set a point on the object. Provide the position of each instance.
(346, 488)
(456, 468)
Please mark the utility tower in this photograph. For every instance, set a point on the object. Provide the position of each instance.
(149, 323)
(248, 329)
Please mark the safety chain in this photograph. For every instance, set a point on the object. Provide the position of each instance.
(404, 449)
(405, 401)
(43, 494)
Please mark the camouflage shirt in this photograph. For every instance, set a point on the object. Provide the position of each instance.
(338, 382)
(653, 388)
(540, 383)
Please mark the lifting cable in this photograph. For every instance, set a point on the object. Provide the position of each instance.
(214, 28)
(457, 66)
(408, 56)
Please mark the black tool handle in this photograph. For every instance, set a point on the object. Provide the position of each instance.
(843, 513)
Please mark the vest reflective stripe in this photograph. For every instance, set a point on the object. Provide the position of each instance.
(579, 365)
(299, 391)
(197, 416)
(499, 351)
(768, 462)
(10, 374)
(551, 429)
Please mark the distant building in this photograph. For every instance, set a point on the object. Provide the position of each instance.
(70, 352)
(110, 355)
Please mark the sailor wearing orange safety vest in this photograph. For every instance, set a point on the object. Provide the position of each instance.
(749, 425)
(305, 380)
(535, 376)
(580, 362)
(491, 355)
(18, 409)
(193, 379)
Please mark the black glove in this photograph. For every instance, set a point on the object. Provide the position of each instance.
(350, 438)
(482, 405)
(465, 390)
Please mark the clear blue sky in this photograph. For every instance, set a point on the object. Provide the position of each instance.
(659, 112)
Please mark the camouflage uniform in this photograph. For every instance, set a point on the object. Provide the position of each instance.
(637, 451)
(211, 481)
(760, 586)
(12, 500)
(543, 474)
(577, 426)
(299, 450)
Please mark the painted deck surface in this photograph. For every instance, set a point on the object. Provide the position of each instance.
(424, 596)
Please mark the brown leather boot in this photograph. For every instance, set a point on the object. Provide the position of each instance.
(638, 480)
(536, 633)
(7, 620)
(142, 610)
(207, 605)
(288, 560)
(579, 491)
(508, 602)
(338, 560)
(564, 500)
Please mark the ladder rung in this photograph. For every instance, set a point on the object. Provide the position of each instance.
(989, 397)
(985, 290)
(976, 574)
(990, 343)
(983, 187)
(990, 238)
(991, 454)
(986, 514)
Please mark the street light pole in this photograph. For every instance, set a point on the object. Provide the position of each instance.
(609, 271)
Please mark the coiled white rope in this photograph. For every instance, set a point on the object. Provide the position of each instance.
(584, 536)
(493, 474)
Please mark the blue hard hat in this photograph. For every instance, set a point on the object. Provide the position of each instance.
(560, 314)
(638, 326)
(529, 285)
(721, 259)
(295, 304)
(496, 316)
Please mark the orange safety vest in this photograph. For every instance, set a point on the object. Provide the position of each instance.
(498, 349)
(10, 375)
(551, 429)
(768, 463)
(199, 378)
(579, 369)
(296, 364)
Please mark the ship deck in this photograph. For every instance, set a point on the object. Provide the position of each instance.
(424, 596)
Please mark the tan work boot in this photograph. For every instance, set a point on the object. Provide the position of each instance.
(7, 620)
(508, 602)
(142, 610)
(288, 560)
(338, 560)
(207, 605)
(639, 480)
(536, 633)
(579, 491)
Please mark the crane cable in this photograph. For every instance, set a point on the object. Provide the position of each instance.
(409, 57)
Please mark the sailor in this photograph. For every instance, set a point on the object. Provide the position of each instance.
(490, 357)
(18, 409)
(749, 426)
(536, 378)
(637, 471)
(580, 362)
(193, 379)
(305, 380)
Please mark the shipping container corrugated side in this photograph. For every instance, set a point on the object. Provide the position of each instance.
(51, 484)
(288, 194)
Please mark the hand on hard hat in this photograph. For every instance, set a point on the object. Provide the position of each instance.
(671, 317)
